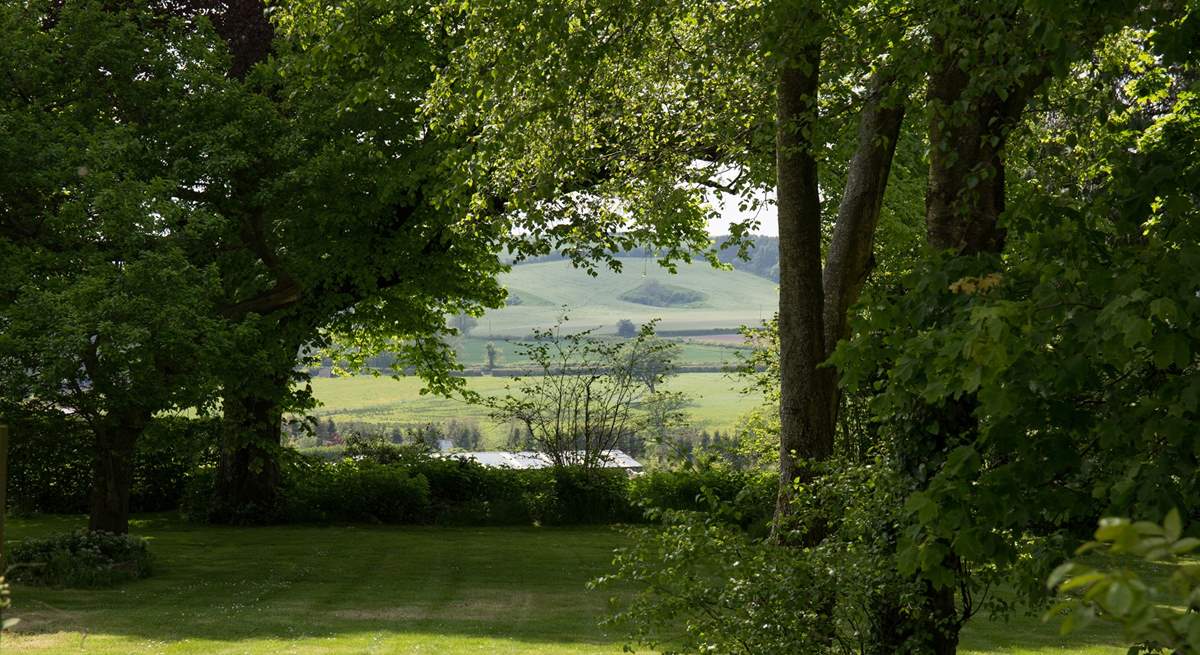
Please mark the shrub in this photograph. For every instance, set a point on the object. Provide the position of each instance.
(82, 559)
(169, 450)
(743, 497)
(591, 496)
(355, 491)
(657, 294)
(196, 502)
(704, 586)
(50, 465)
(1154, 617)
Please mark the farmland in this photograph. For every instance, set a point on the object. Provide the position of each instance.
(545, 290)
(717, 402)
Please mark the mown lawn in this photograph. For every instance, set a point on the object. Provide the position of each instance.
(307, 590)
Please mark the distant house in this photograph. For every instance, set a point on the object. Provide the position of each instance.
(528, 459)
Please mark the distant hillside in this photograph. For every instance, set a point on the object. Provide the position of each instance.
(699, 297)
(763, 262)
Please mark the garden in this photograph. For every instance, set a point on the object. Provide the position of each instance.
(770, 327)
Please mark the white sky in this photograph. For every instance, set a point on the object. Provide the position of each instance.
(729, 213)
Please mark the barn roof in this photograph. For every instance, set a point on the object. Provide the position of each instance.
(528, 459)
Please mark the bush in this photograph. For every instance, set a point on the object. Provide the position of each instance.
(657, 294)
(50, 465)
(704, 586)
(597, 496)
(355, 491)
(743, 497)
(169, 450)
(81, 559)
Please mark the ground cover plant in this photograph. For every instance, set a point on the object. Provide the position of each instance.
(81, 558)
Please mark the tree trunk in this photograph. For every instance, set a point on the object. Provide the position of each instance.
(248, 471)
(965, 193)
(806, 424)
(965, 197)
(116, 437)
(3, 491)
(850, 260)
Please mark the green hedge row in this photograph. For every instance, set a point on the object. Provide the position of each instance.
(50, 463)
(375, 482)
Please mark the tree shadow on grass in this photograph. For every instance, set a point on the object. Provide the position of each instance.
(395, 584)
(400, 588)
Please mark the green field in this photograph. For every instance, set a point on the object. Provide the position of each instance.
(732, 298)
(472, 351)
(374, 590)
(717, 403)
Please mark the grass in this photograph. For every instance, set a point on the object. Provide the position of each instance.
(730, 298)
(384, 400)
(472, 351)
(333, 590)
(309, 590)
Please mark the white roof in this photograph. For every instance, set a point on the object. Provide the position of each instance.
(528, 459)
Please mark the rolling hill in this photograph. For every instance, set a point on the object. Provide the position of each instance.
(715, 298)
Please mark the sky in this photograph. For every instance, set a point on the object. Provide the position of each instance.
(729, 214)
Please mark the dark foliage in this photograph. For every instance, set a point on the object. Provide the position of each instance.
(50, 463)
(84, 559)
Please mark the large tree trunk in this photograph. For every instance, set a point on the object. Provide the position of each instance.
(814, 305)
(965, 194)
(116, 437)
(806, 424)
(248, 471)
(965, 197)
(850, 259)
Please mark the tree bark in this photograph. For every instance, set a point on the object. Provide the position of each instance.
(965, 197)
(116, 437)
(248, 470)
(965, 194)
(806, 426)
(814, 305)
(849, 260)
(3, 491)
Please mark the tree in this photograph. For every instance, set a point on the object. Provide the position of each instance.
(357, 224)
(626, 329)
(677, 67)
(585, 399)
(651, 359)
(715, 89)
(493, 355)
(108, 296)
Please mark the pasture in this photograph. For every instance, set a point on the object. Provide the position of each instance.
(717, 402)
(546, 289)
(704, 350)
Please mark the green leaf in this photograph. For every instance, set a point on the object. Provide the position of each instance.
(1060, 573)
(1185, 545)
(1173, 526)
(1119, 599)
(1081, 581)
